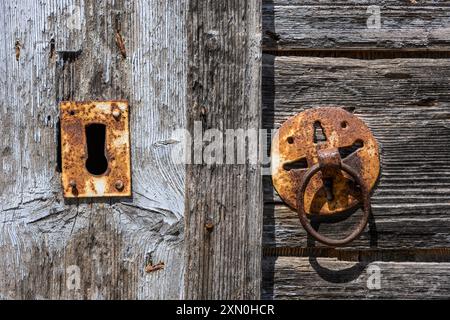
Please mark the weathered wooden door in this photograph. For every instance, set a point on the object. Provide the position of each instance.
(90, 50)
(204, 230)
(388, 63)
(175, 62)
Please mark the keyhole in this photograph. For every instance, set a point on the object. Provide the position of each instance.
(96, 163)
(319, 133)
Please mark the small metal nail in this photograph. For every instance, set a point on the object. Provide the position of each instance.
(73, 184)
(209, 225)
(119, 185)
(116, 113)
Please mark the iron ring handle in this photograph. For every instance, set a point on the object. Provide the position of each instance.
(307, 225)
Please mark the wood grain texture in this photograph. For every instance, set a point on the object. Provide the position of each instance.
(406, 104)
(71, 50)
(337, 25)
(327, 278)
(224, 92)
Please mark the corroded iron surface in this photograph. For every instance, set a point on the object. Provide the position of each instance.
(77, 181)
(296, 143)
(365, 199)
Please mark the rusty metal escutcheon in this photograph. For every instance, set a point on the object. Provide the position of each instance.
(320, 176)
(100, 128)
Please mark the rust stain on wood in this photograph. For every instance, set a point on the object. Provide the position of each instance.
(152, 268)
(121, 44)
(77, 181)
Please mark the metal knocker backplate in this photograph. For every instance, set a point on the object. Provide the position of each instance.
(296, 148)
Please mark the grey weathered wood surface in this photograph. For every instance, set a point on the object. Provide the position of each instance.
(406, 104)
(53, 50)
(224, 92)
(326, 278)
(316, 24)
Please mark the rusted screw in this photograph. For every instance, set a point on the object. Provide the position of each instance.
(73, 184)
(209, 225)
(116, 113)
(119, 185)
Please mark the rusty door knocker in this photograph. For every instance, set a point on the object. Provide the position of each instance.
(325, 175)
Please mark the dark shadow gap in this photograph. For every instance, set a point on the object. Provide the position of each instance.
(58, 147)
(368, 54)
(344, 152)
(268, 108)
(393, 255)
(295, 165)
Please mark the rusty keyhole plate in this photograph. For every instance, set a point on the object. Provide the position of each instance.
(113, 117)
(294, 149)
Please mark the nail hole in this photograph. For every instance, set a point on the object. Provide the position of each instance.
(290, 140)
(96, 163)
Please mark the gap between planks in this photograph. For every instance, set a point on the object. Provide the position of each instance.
(363, 54)
(368, 255)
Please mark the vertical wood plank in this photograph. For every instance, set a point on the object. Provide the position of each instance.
(51, 248)
(223, 92)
